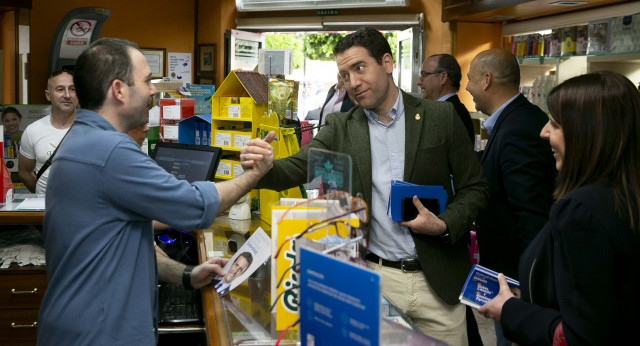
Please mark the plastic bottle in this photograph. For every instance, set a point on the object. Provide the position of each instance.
(535, 90)
(549, 83)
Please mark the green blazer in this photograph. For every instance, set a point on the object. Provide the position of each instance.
(436, 148)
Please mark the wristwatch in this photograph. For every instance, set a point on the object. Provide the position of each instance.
(186, 278)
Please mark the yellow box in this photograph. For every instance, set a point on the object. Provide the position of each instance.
(236, 107)
(239, 137)
(222, 138)
(228, 169)
(225, 169)
(230, 139)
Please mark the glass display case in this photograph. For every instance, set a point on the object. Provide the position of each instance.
(243, 316)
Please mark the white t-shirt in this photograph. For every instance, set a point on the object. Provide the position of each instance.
(39, 140)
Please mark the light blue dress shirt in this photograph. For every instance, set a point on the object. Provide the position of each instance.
(491, 122)
(388, 239)
(446, 97)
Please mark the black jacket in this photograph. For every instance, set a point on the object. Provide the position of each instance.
(520, 169)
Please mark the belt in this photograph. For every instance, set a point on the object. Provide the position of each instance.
(406, 265)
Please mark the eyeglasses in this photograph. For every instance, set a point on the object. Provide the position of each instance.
(425, 73)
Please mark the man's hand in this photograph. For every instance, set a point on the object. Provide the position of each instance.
(493, 309)
(426, 222)
(258, 153)
(205, 272)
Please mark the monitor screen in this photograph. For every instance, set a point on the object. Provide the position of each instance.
(188, 161)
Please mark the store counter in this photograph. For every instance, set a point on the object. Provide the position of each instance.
(242, 317)
(11, 215)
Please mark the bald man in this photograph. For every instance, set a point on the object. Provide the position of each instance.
(517, 163)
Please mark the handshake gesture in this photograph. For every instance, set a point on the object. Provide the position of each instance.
(257, 154)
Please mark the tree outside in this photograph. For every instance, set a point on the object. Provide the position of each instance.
(313, 63)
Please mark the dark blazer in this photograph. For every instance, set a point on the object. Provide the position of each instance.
(347, 104)
(520, 169)
(434, 150)
(581, 270)
(463, 113)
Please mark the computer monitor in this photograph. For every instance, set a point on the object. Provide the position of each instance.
(188, 161)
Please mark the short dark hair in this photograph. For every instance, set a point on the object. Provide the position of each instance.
(447, 63)
(599, 114)
(58, 72)
(367, 37)
(106, 60)
(248, 256)
(11, 110)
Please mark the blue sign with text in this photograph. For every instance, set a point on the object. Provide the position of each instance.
(339, 302)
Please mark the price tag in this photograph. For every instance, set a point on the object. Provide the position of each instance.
(223, 139)
(171, 112)
(170, 132)
(234, 111)
(238, 140)
(224, 168)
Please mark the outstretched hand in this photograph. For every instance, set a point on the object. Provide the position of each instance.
(257, 153)
(205, 272)
(426, 222)
(493, 309)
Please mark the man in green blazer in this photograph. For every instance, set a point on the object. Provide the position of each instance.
(393, 135)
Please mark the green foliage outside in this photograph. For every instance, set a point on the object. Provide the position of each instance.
(287, 41)
(314, 46)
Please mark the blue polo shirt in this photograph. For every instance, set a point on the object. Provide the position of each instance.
(102, 195)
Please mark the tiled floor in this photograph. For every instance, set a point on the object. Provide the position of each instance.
(485, 326)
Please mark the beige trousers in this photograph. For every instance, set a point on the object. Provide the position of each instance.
(410, 292)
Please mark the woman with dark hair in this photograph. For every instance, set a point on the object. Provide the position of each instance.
(11, 118)
(580, 277)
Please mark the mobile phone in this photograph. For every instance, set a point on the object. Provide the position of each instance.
(410, 212)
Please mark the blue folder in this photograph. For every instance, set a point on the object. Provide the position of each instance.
(401, 190)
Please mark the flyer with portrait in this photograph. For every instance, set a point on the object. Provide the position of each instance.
(253, 253)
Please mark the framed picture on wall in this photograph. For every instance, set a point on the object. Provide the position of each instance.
(206, 63)
(156, 60)
(205, 81)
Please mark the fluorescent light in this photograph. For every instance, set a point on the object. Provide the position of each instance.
(282, 5)
(569, 3)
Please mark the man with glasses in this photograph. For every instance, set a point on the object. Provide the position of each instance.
(440, 81)
(41, 138)
(393, 135)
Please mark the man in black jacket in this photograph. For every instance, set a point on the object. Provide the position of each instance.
(517, 163)
(440, 81)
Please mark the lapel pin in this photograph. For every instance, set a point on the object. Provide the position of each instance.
(417, 116)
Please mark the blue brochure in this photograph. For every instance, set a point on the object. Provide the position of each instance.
(339, 302)
(401, 190)
(202, 94)
(482, 286)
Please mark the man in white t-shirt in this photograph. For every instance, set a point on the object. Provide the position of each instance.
(41, 138)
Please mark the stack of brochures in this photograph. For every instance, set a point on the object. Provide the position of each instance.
(482, 286)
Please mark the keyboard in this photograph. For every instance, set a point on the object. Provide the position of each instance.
(178, 305)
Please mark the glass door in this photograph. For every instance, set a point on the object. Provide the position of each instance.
(409, 56)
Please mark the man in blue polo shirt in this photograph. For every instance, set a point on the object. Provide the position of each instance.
(102, 196)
